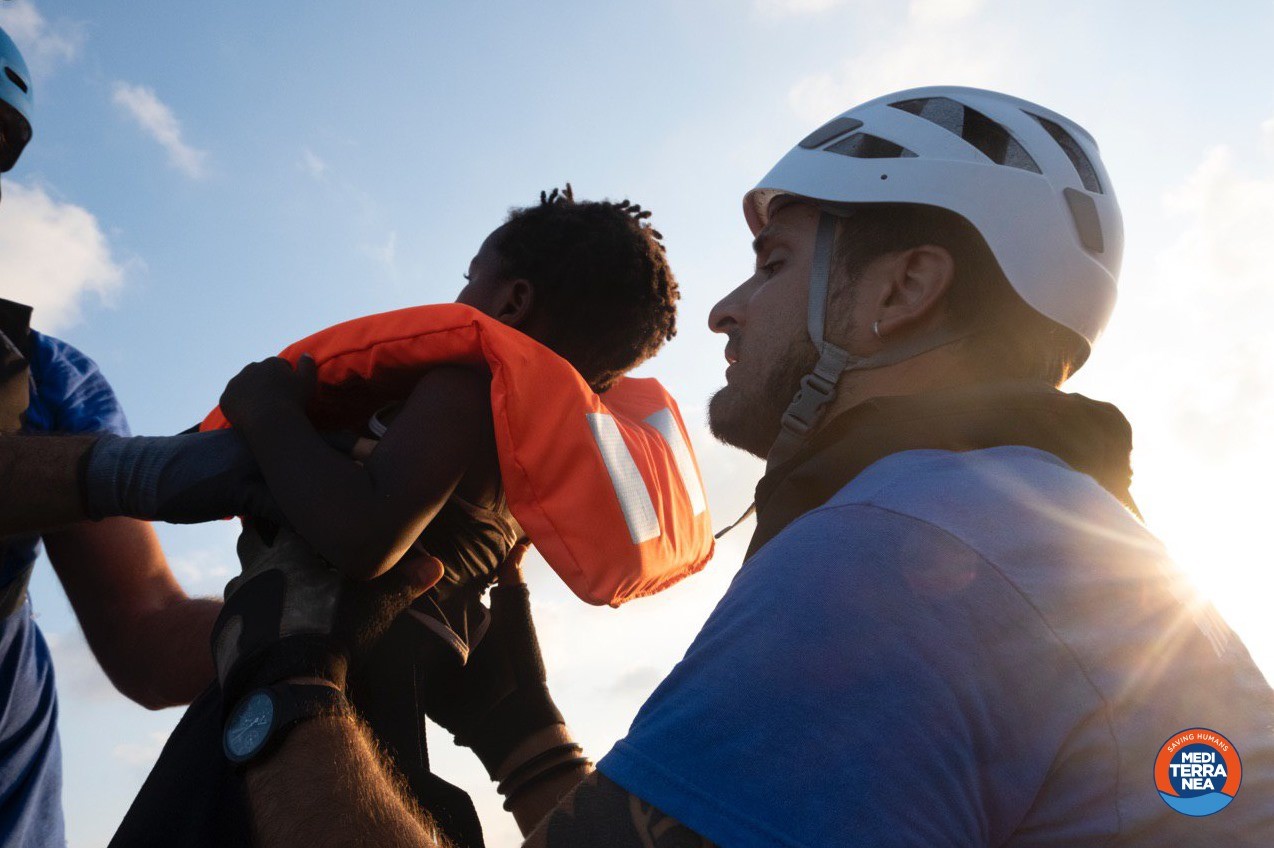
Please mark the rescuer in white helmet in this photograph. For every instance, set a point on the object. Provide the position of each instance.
(951, 627)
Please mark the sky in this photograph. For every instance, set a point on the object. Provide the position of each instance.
(208, 183)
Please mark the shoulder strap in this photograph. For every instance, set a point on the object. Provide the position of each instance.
(15, 366)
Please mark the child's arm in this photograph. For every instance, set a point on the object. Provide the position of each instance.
(362, 518)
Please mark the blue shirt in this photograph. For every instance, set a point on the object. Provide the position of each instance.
(68, 395)
(958, 649)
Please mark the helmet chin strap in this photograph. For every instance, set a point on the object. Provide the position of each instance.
(818, 388)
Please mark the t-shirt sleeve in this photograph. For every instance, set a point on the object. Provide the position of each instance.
(849, 690)
(70, 394)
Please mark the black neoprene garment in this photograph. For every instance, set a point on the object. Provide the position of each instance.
(1090, 436)
(15, 395)
(471, 541)
(15, 371)
(194, 798)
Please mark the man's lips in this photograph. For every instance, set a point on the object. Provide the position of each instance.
(732, 361)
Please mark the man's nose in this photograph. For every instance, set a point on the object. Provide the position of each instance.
(727, 314)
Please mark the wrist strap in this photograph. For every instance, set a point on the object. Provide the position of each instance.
(532, 766)
(300, 655)
(549, 770)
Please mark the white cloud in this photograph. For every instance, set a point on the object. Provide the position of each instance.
(1212, 289)
(141, 753)
(159, 122)
(204, 569)
(51, 254)
(793, 8)
(637, 683)
(1188, 358)
(939, 42)
(312, 163)
(943, 11)
(1267, 135)
(385, 253)
(43, 45)
(78, 674)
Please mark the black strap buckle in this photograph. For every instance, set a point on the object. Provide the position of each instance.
(806, 407)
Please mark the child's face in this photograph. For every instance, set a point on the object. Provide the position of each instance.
(490, 290)
(485, 290)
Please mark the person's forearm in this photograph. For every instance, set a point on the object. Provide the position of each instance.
(326, 786)
(331, 500)
(532, 803)
(173, 644)
(39, 482)
(150, 638)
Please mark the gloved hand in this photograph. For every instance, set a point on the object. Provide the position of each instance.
(262, 386)
(290, 614)
(181, 479)
(500, 697)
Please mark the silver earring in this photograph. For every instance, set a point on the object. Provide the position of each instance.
(875, 328)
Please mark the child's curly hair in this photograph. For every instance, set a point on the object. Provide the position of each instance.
(601, 277)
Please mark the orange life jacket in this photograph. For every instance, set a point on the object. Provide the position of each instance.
(606, 487)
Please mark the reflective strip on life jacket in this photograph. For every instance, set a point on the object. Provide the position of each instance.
(606, 487)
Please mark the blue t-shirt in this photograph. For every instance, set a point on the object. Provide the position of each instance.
(958, 649)
(68, 395)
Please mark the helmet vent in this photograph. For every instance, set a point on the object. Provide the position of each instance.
(1083, 165)
(1087, 221)
(864, 146)
(16, 80)
(834, 128)
(991, 139)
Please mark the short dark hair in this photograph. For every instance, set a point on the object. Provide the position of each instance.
(1010, 340)
(602, 282)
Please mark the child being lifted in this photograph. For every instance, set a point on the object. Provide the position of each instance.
(588, 290)
(587, 281)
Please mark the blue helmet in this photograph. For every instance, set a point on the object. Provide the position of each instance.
(16, 104)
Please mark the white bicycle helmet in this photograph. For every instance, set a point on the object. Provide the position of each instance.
(1028, 179)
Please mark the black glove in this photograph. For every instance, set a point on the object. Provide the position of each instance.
(500, 697)
(290, 614)
(181, 479)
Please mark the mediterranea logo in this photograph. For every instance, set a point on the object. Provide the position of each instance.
(1198, 772)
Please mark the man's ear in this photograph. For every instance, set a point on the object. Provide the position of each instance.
(519, 297)
(919, 279)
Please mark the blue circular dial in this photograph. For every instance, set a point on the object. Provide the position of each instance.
(250, 725)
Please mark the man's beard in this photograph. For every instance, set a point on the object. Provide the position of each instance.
(750, 419)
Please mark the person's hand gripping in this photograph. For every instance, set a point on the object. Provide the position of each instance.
(499, 704)
(291, 615)
(194, 477)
